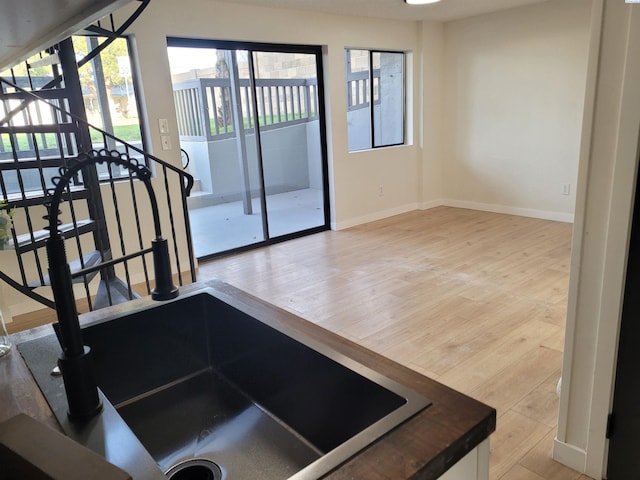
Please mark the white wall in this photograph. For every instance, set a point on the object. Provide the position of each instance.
(431, 102)
(514, 89)
(286, 160)
(608, 170)
(355, 177)
(495, 101)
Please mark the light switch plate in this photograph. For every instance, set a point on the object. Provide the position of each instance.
(163, 124)
(166, 142)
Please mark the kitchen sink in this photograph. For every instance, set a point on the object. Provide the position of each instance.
(208, 387)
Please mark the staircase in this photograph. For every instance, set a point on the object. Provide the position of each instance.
(43, 128)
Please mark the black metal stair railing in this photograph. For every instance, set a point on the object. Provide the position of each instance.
(44, 137)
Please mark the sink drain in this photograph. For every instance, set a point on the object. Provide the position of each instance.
(199, 469)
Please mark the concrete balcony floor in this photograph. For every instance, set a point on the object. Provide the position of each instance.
(223, 227)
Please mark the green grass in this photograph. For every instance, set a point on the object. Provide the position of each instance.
(128, 133)
(23, 143)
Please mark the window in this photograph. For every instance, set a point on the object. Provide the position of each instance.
(110, 104)
(109, 93)
(378, 75)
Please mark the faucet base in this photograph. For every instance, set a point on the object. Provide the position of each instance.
(165, 289)
(80, 386)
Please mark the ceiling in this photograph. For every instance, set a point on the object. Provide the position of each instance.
(443, 11)
(28, 26)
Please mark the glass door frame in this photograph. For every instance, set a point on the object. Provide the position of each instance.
(251, 48)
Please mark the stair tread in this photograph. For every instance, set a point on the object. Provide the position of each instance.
(49, 158)
(117, 289)
(46, 94)
(88, 260)
(26, 238)
(38, 197)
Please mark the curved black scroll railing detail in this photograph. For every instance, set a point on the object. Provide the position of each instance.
(75, 362)
(164, 289)
(169, 179)
(75, 165)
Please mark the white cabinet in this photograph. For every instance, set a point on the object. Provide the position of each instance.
(474, 466)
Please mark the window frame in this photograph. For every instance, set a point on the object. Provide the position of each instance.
(370, 94)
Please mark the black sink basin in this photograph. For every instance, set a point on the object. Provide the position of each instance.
(199, 378)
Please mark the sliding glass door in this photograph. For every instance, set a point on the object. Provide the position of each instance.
(252, 130)
(290, 140)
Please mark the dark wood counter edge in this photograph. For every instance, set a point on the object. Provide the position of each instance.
(423, 447)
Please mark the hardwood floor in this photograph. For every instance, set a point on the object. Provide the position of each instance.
(475, 300)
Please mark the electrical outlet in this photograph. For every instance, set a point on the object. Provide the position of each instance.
(166, 142)
(566, 189)
(163, 125)
(381, 191)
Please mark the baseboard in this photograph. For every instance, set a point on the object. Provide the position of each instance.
(372, 217)
(431, 204)
(447, 202)
(523, 212)
(569, 455)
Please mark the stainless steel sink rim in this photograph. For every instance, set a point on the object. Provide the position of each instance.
(414, 402)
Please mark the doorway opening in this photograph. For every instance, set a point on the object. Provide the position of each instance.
(252, 133)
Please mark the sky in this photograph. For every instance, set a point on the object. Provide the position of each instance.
(183, 59)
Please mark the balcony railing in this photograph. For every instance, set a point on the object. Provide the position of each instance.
(203, 106)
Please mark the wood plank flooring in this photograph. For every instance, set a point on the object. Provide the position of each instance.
(475, 300)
